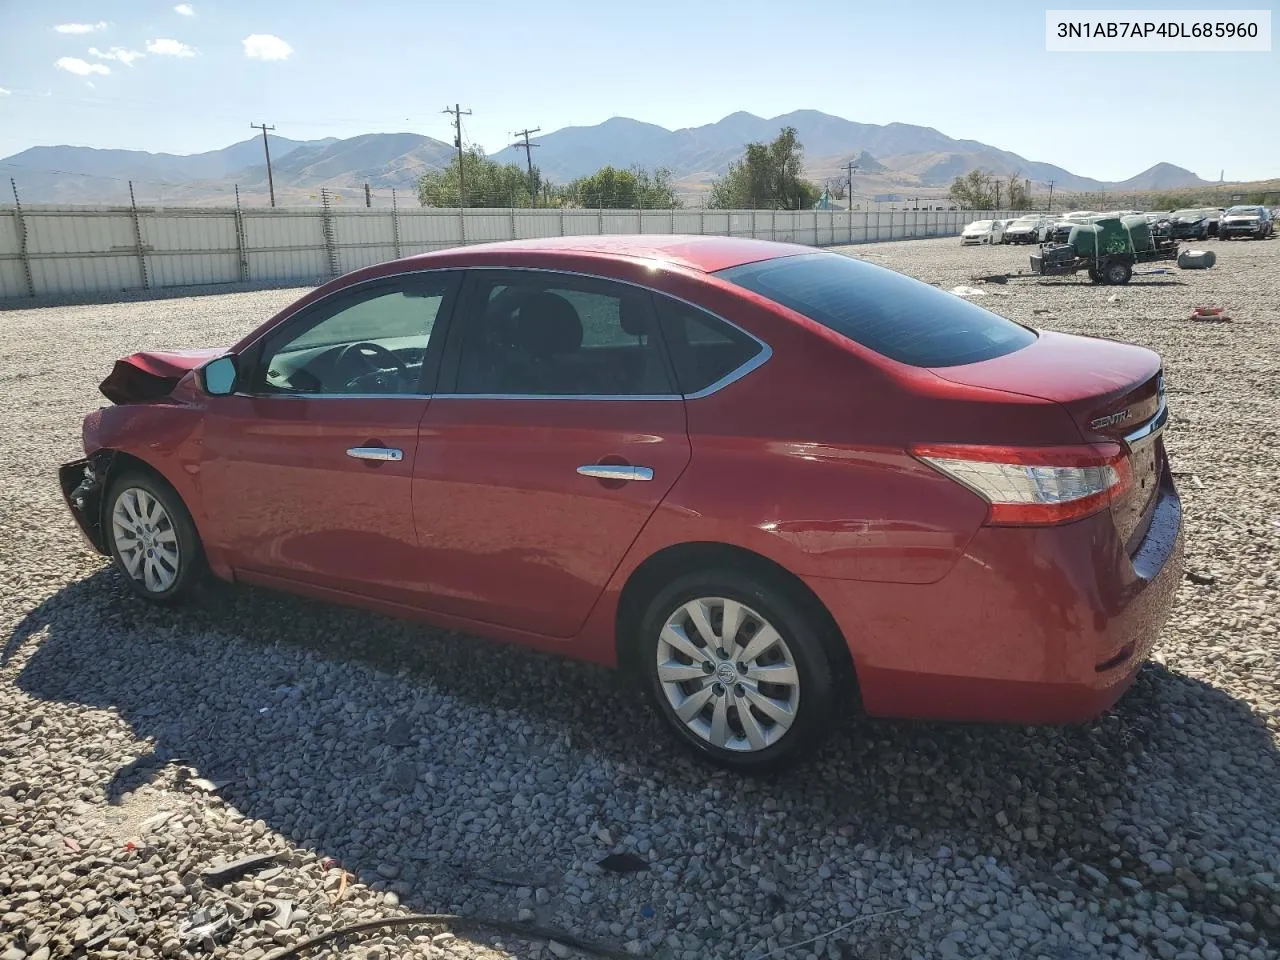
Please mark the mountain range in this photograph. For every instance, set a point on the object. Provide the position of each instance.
(893, 157)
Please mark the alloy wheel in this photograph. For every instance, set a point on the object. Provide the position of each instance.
(146, 539)
(728, 674)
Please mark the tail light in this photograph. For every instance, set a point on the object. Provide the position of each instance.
(1028, 486)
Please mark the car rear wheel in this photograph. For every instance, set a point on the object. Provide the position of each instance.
(152, 538)
(737, 670)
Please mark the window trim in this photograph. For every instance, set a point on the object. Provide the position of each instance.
(338, 300)
(453, 346)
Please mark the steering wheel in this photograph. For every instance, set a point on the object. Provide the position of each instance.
(374, 362)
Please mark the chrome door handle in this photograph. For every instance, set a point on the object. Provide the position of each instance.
(381, 454)
(609, 471)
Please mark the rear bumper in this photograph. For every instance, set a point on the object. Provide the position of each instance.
(1047, 625)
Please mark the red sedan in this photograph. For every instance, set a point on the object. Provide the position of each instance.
(766, 481)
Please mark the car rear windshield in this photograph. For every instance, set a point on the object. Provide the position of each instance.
(894, 315)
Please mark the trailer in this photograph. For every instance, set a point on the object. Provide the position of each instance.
(1108, 249)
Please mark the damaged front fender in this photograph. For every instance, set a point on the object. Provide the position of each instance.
(83, 482)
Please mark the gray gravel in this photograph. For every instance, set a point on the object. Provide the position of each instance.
(139, 746)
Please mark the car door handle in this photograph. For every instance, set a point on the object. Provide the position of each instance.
(612, 471)
(380, 454)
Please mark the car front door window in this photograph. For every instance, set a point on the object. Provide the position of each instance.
(371, 343)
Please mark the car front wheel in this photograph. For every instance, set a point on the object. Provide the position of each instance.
(1118, 273)
(153, 539)
(737, 670)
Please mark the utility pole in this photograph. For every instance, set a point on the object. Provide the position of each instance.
(851, 166)
(528, 159)
(458, 113)
(1050, 210)
(271, 185)
(997, 193)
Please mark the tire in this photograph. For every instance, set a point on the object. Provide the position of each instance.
(167, 563)
(1118, 274)
(795, 718)
(1095, 276)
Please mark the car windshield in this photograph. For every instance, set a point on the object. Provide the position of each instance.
(894, 315)
(1026, 222)
(980, 225)
(1246, 211)
(1188, 213)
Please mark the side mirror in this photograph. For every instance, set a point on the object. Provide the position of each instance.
(218, 376)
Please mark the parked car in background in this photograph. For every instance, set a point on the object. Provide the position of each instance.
(1190, 224)
(546, 441)
(1160, 225)
(1252, 222)
(1030, 229)
(982, 231)
(1060, 231)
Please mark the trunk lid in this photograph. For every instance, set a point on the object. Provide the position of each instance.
(151, 375)
(1111, 390)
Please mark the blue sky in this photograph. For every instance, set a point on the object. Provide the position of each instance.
(326, 68)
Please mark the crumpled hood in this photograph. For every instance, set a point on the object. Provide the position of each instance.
(148, 376)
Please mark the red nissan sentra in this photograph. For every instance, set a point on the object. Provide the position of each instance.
(766, 481)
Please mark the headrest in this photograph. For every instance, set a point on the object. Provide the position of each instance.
(547, 324)
(633, 314)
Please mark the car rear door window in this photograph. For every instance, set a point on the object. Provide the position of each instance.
(705, 350)
(894, 315)
(546, 334)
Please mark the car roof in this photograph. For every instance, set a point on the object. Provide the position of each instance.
(706, 254)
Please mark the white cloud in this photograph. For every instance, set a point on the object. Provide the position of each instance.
(81, 27)
(265, 46)
(185, 9)
(81, 68)
(117, 53)
(3, 92)
(91, 85)
(165, 47)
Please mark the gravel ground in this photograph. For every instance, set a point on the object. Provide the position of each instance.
(139, 746)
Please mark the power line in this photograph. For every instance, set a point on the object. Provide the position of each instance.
(271, 184)
(458, 113)
(528, 159)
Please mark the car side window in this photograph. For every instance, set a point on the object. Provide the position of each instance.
(372, 342)
(547, 334)
(704, 349)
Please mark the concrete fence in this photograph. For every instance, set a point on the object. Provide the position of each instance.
(80, 251)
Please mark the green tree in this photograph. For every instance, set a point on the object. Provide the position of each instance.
(623, 189)
(766, 178)
(1019, 194)
(975, 190)
(487, 184)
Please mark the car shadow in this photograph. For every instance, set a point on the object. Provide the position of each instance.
(244, 677)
